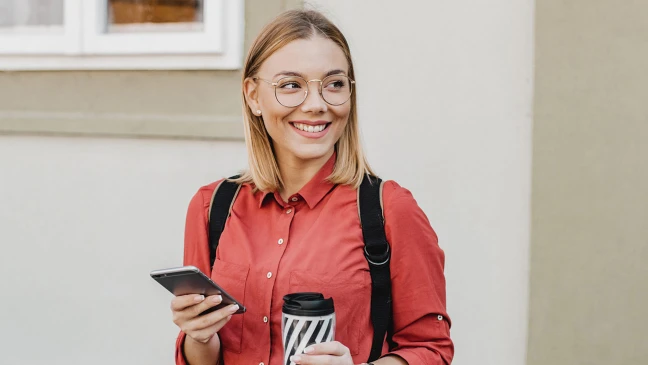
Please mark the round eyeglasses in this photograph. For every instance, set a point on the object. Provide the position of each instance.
(291, 91)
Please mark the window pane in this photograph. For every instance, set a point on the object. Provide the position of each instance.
(155, 15)
(28, 15)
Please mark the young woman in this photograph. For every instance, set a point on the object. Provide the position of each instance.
(294, 225)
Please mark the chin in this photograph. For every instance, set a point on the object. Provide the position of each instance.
(311, 152)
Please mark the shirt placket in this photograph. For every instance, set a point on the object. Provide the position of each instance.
(281, 235)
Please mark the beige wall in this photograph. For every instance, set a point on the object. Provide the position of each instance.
(589, 271)
(445, 94)
(194, 104)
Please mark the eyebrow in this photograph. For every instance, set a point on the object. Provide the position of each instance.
(293, 73)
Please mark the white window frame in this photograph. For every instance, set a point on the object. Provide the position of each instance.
(34, 40)
(85, 46)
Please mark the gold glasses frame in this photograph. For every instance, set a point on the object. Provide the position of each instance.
(321, 84)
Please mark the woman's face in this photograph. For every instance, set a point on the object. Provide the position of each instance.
(297, 132)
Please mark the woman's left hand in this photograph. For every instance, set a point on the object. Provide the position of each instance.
(326, 353)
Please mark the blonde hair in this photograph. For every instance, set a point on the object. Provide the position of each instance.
(351, 164)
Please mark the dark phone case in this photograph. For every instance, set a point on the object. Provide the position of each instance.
(190, 280)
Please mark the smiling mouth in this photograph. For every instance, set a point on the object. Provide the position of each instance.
(310, 128)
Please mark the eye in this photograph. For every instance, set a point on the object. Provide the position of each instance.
(290, 85)
(336, 84)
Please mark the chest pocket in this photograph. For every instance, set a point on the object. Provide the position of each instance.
(351, 293)
(232, 278)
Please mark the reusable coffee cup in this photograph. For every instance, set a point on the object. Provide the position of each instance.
(307, 319)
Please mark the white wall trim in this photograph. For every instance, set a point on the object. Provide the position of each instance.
(230, 61)
(182, 126)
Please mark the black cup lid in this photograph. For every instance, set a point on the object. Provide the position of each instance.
(307, 304)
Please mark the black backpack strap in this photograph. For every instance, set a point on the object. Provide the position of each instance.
(378, 254)
(219, 210)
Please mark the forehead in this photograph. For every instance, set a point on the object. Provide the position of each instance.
(311, 57)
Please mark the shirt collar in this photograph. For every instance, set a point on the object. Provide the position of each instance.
(315, 190)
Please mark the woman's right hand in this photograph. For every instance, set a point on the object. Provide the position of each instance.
(186, 311)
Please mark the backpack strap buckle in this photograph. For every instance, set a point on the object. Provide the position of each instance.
(380, 259)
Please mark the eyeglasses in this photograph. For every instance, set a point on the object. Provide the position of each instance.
(291, 91)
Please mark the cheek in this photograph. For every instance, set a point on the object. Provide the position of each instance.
(273, 128)
(266, 105)
(273, 113)
(342, 116)
(273, 120)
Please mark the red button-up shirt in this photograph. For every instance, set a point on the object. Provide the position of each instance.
(314, 242)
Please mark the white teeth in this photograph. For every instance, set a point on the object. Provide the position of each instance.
(310, 128)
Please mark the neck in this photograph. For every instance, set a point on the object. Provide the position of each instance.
(296, 172)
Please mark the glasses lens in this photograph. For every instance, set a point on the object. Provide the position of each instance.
(336, 89)
(291, 91)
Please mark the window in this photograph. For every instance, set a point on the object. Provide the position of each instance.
(121, 34)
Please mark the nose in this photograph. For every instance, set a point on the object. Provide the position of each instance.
(314, 102)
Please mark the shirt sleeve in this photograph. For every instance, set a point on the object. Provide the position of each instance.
(196, 246)
(421, 324)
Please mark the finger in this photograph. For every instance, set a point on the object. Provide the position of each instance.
(209, 302)
(205, 321)
(334, 348)
(185, 301)
(184, 317)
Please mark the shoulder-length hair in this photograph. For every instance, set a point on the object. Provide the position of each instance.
(263, 172)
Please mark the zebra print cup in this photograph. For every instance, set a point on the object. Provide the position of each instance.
(307, 319)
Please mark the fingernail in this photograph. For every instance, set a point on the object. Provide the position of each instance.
(295, 358)
(234, 308)
(308, 350)
(199, 298)
(217, 299)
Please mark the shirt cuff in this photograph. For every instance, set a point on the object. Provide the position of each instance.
(413, 357)
(180, 358)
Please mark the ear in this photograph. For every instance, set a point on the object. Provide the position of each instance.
(250, 90)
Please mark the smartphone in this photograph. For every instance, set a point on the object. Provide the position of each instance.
(190, 280)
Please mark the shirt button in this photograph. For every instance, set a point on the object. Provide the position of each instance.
(288, 211)
(261, 363)
(281, 241)
(269, 275)
(440, 318)
(294, 198)
(265, 319)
